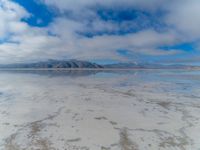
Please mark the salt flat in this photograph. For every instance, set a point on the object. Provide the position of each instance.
(81, 110)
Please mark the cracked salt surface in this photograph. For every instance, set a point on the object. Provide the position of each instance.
(134, 110)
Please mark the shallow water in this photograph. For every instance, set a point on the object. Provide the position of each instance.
(100, 110)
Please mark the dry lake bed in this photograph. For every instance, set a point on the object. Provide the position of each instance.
(100, 110)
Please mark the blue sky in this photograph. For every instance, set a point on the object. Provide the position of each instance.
(109, 31)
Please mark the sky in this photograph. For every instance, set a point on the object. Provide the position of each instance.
(102, 31)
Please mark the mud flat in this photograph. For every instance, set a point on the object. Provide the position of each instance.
(138, 110)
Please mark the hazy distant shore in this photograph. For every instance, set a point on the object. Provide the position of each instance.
(62, 69)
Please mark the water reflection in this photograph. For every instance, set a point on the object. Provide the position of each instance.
(99, 109)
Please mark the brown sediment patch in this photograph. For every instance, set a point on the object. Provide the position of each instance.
(6, 123)
(32, 132)
(174, 142)
(125, 143)
(74, 140)
(169, 140)
(35, 128)
(75, 115)
(101, 118)
(75, 147)
(126, 93)
(43, 144)
(5, 113)
(161, 123)
(114, 144)
(113, 123)
(10, 143)
(105, 148)
(34, 140)
(164, 104)
(88, 99)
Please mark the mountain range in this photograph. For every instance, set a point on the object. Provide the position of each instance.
(86, 64)
(54, 64)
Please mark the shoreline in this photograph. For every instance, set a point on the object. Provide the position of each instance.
(95, 69)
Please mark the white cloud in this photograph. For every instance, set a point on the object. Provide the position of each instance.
(10, 15)
(27, 43)
(105, 46)
(19, 40)
(184, 15)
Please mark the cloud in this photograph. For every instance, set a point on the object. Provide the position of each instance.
(20, 41)
(93, 29)
(75, 5)
(184, 16)
(100, 46)
(11, 14)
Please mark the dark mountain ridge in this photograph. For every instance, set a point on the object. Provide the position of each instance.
(54, 64)
(86, 64)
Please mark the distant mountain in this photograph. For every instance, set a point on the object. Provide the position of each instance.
(85, 64)
(121, 65)
(148, 66)
(55, 64)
